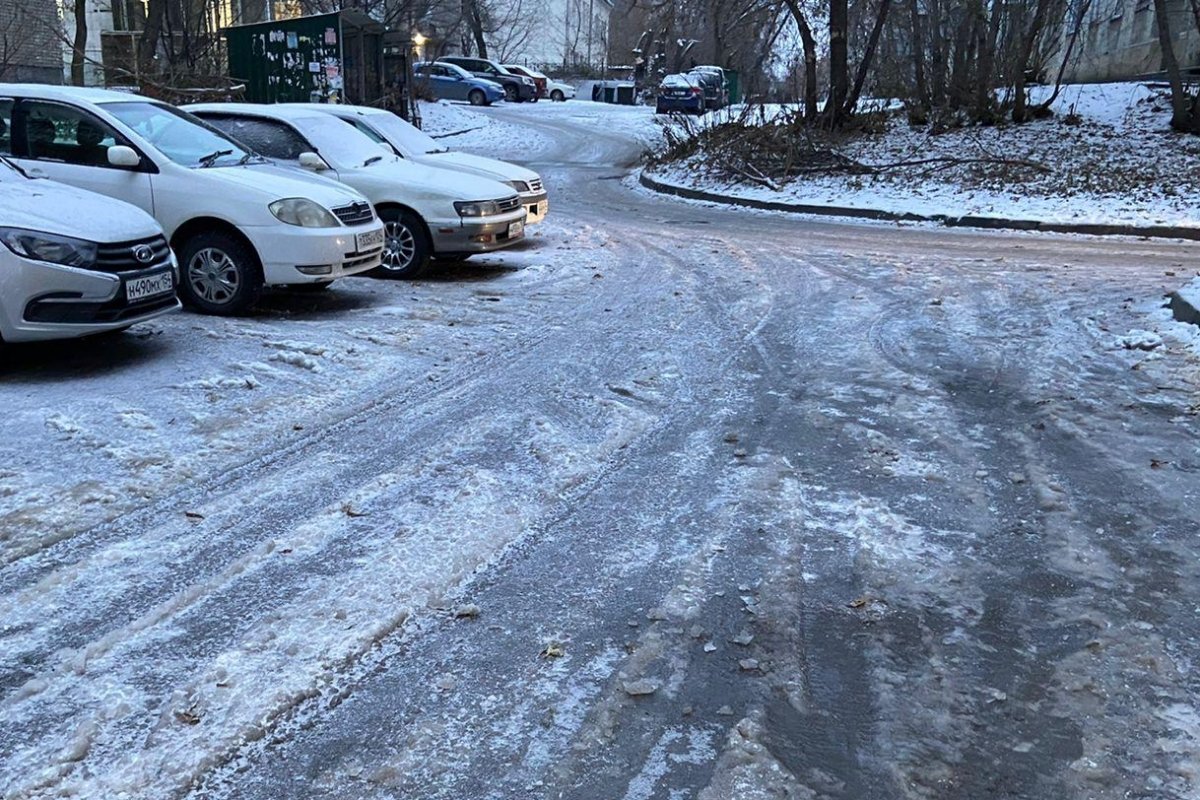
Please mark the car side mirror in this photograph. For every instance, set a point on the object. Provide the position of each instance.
(122, 156)
(313, 161)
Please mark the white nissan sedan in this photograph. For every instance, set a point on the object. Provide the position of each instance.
(235, 227)
(414, 144)
(428, 212)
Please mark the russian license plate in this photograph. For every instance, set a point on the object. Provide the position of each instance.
(516, 230)
(369, 240)
(149, 286)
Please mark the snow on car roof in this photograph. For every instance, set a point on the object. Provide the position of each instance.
(278, 111)
(72, 93)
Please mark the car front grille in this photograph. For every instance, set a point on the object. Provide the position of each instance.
(134, 255)
(509, 204)
(355, 214)
(536, 185)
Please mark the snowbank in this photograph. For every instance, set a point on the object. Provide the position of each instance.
(1109, 160)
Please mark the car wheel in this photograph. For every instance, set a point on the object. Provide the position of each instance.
(406, 249)
(477, 97)
(557, 96)
(511, 93)
(221, 274)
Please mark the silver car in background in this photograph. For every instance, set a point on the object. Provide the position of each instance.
(74, 263)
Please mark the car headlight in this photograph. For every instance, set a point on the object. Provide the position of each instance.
(520, 186)
(303, 212)
(477, 208)
(49, 247)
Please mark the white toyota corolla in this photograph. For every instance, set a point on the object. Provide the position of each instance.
(427, 212)
(235, 227)
(411, 143)
(74, 263)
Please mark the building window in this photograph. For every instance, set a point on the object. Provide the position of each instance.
(128, 15)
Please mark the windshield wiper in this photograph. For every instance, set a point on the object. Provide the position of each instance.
(372, 160)
(246, 159)
(211, 158)
(15, 166)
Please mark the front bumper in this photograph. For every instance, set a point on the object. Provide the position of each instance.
(41, 301)
(479, 235)
(537, 206)
(291, 254)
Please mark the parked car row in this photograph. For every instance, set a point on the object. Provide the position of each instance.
(481, 82)
(702, 89)
(216, 202)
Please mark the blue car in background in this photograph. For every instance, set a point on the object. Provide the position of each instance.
(450, 82)
(680, 94)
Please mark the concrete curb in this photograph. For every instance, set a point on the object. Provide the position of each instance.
(991, 223)
(1183, 309)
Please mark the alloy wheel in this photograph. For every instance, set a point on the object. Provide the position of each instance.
(399, 248)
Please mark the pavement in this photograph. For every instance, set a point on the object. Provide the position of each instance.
(706, 502)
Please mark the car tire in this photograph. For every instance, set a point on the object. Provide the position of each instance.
(512, 94)
(477, 97)
(219, 274)
(558, 96)
(407, 252)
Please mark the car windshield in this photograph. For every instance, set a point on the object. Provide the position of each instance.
(340, 144)
(178, 135)
(404, 137)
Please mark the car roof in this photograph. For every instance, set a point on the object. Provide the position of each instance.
(84, 94)
(277, 111)
(334, 108)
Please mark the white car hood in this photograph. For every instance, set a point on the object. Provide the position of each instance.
(51, 207)
(451, 184)
(277, 183)
(478, 165)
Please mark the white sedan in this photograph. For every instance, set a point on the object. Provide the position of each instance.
(409, 142)
(427, 212)
(74, 263)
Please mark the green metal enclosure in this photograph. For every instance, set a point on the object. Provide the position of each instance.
(733, 85)
(334, 57)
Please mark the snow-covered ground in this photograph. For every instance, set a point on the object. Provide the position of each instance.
(927, 492)
(1110, 156)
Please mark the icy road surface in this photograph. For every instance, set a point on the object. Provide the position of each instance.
(674, 502)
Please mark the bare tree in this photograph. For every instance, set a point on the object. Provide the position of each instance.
(1181, 119)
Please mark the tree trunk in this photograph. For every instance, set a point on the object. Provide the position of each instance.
(474, 18)
(868, 56)
(1028, 42)
(147, 49)
(79, 44)
(839, 69)
(1066, 60)
(809, 43)
(937, 54)
(986, 31)
(922, 91)
(1180, 118)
